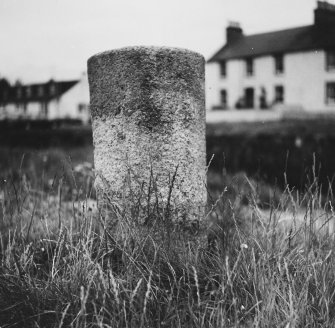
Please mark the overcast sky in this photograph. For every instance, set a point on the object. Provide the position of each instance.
(43, 39)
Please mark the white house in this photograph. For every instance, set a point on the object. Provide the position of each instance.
(270, 73)
(50, 100)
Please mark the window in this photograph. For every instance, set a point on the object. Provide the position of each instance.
(262, 99)
(223, 71)
(3, 96)
(28, 92)
(330, 60)
(279, 94)
(249, 98)
(40, 91)
(279, 64)
(81, 107)
(52, 89)
(249, 65)
(330, 93)
(223, 104)
(223, 99)
(19, 92)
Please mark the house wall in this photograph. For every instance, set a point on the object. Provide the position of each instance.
(34, 110)
(12, 111)
(304, 81)
(67, 106)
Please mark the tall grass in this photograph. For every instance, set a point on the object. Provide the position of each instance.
(260, 258)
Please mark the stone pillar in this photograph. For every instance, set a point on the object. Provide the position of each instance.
(148, 118)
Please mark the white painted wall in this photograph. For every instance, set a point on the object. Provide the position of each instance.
(304, 81)
(12, 111)
(213, 85)
(215, 116)
(67, 106)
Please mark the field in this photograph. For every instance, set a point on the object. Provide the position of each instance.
(262, 257)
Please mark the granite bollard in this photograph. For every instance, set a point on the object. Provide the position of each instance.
(148, 118)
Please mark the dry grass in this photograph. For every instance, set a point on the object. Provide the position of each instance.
(244, 266)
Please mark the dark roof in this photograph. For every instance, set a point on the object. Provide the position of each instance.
(34, 92)
(290, 40)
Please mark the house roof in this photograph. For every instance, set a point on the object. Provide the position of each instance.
(34, 92)
(284, 41)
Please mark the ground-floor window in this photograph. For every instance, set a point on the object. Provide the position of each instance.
(330, 93)
(279, 94)
(249, 97)
(247, 101)
(223, 99)
(263, 104)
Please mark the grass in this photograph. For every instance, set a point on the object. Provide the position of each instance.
(262, 257)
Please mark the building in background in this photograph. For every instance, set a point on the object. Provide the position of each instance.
(290, 70)
(50, 100)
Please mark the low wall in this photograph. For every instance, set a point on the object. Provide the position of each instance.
(244, 115)
(277, 113)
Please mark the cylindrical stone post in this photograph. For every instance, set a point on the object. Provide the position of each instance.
(148, 118)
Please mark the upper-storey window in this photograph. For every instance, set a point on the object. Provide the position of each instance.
(279, 64)
(330, 60)
(40, 91)
(52, 88)
(249, 66)
(19, 92)
(223, 69)
(28, 92)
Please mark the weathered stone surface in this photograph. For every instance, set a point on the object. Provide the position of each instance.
(148, 117)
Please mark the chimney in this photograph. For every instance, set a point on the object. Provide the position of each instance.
(233, 32)
(324, 14)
